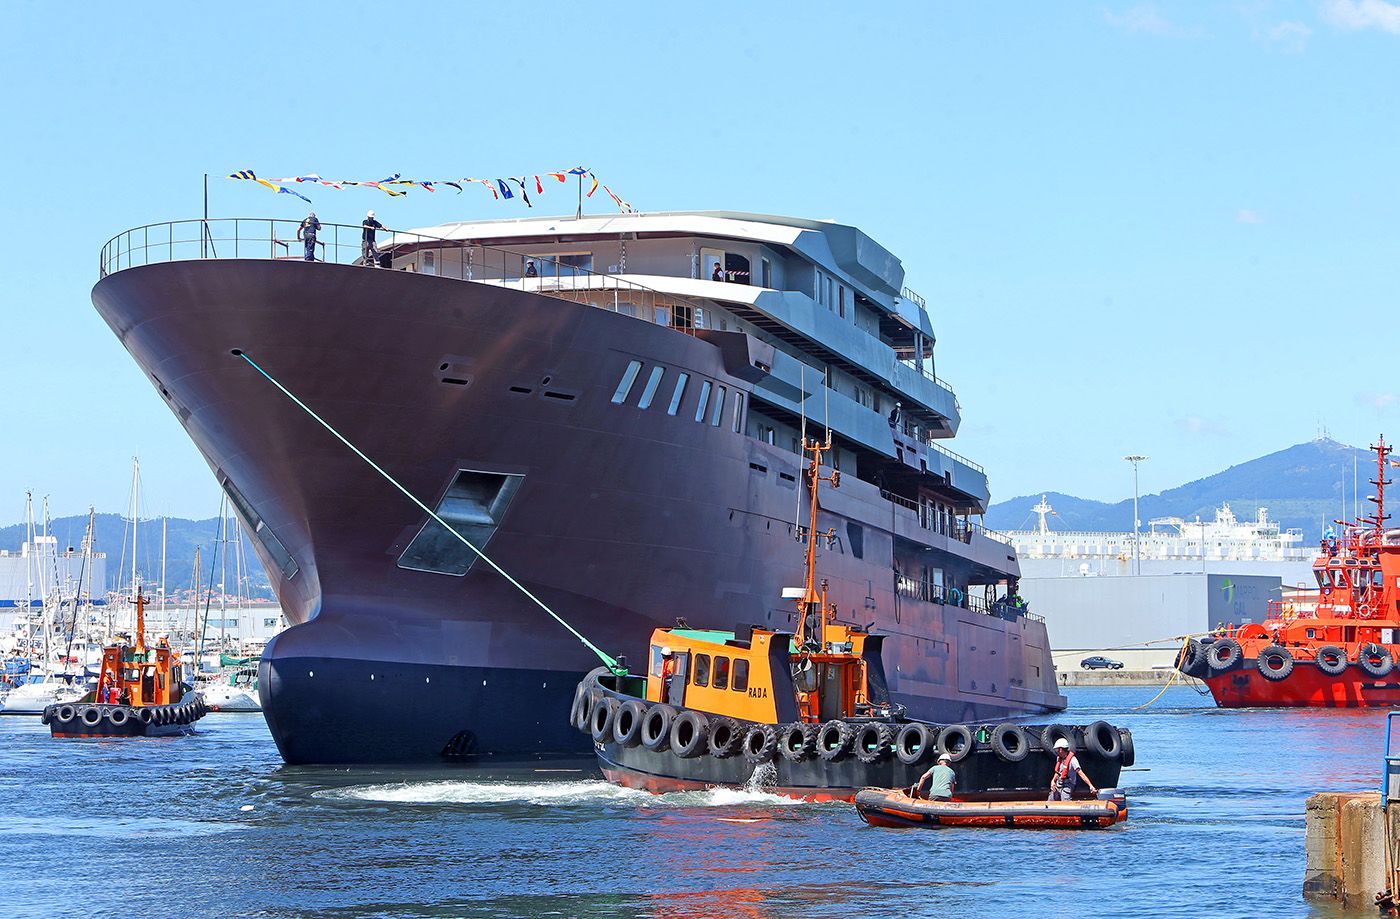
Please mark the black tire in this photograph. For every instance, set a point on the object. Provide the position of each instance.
(1224, 655)
(690, 734)
(92, 717)
(118, 716)
(1331, 660)
(1274, 662)
(627, 723)
(796, 742)
(1009, 741)
(760, 743)
(872, 742)
(1125, 738)
(162, 716)
(145, 715)
(601, 723)
(725, 736)
(834, 741)
(65, 714)
(578, 709)
(1374, 659)
(914, 743)
(1193, 659)
(46, 716)
(656, 727)
(1103, 740)
(956, 740)
(1053, 732)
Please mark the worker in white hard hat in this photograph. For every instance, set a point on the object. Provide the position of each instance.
(368, 248)
(941, 780)
(668, 670)
(1067, 773)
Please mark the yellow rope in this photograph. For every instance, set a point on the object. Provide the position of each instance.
(1176, 671)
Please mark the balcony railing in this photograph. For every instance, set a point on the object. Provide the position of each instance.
(930, 592)
(276, 240)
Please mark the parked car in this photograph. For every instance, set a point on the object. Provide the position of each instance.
(1099, 662)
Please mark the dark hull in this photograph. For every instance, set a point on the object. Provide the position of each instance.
(87, 719)
(624, 519)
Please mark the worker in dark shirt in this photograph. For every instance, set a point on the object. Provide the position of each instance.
(307, 233)
(718, 273)
(368, 248)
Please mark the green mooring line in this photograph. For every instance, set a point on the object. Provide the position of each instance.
(610, 662)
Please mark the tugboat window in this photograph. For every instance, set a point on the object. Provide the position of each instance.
(624, 386)
(653, 382)
(702, 670)
(741, 674)
(655, 660)
(678, 394)
(718, 415)
(721, 672)
(704, 401)
(473, 505)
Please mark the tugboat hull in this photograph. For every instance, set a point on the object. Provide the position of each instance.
(1305, 687)
(105, 720)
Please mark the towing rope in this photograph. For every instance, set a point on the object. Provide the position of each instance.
(608, 661)
(1176, 671)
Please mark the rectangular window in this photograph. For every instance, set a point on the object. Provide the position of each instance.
(702, 670)
(841, 302)
(741, 674)
(828, 294)
(649, 391)
(562, 265)
(767, 273)
(678, 393)
(821, 287)
(721, 672)
(656, 660)
(718, 414)
(704, 401)
(739, 417)
(624, 386)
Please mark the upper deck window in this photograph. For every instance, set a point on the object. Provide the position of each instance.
(561, 264)
(717, 415)
(703, 401)
(649, 391)
(678, 393)
(767, 267)
(624, 386)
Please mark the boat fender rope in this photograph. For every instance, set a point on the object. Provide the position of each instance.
(609, 661)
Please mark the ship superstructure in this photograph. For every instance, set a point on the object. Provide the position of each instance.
(614, 408)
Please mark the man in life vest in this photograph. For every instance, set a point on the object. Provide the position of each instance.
(668, 670)
(1067, 774)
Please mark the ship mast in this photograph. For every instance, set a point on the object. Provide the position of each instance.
(1379, 518)
(813, 608)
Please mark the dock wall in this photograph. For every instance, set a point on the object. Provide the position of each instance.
(1345, 842)
(1154, 677)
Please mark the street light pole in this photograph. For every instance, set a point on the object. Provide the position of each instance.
(1137, 542)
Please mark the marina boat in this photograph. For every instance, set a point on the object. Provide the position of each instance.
(33, 697)
(613, 409)
(1337, 649)
(140, 693)
(807, 714)
(235, 691)
(881, 807)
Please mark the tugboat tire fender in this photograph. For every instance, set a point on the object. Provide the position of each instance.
(833, 740)
(725, 737)
(145, 715)
(1268, 657)
(1009, 741)
(1125, 739)
(1331, 660)
(760, 743)
(872, 742)
(65, 714)
(118, 717)
(797, 741)
(1053, 732)
(956, 740)
(656, 727)
(627, 723)
(1224, 655)
(577, 708)
(1102, 739)
(92, 717)
(602, 720)
(914, 743)
(690, 734)
(1374, 659)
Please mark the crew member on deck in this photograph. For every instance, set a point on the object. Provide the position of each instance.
(1067, 774)
(896, 414)
(668, 670)
(307, 233)
(718, 273)
(367, 247)
(941, 779)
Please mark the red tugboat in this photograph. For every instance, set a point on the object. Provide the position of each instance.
(1340, 654)
(140, 693)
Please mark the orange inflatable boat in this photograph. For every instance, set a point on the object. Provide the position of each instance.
(883, 807)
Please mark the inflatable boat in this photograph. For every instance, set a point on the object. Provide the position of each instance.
(882, 807)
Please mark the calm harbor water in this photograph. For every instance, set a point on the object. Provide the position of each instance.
(215, 824)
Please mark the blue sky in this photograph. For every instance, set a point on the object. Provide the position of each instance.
(1167, 229)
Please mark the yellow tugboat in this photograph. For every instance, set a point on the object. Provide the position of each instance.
(140, 693)
(807, 713)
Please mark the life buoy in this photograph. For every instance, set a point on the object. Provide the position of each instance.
(760, 743)
(914, 743)
(1053, 732)
(833, 740)
(627, 723)
(1224, 655)
(656, 727)
(92, 716)
(1274, 662)
(1010, 743)
(1103, 740)
(1364, 611)
(724, 737)
(956, 741)
(1375, 659)
(872, 742)
(689, 734)
(602, 721)
(1331, 660)
(797, 741)
(955, 596)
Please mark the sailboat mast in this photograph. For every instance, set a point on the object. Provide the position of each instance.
(29, 575)
(135, 515)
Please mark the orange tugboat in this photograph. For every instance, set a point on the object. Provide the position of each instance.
(1340, 653)
(807, 714)
(140, 693)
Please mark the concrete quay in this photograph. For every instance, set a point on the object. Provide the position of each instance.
(1154, 677)
(1347, 835)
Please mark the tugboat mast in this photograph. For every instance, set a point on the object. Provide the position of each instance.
(813, 609)
(1378, 519)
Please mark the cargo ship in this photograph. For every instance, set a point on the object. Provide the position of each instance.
(613, 409)
(1336, 649)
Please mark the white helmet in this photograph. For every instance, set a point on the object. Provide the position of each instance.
(370, 214)
(945, 758)
(1062, 744)
(666, 652)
